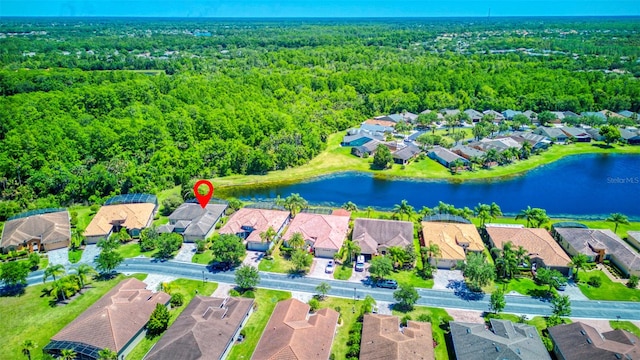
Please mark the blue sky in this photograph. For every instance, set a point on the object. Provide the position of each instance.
(317, 8)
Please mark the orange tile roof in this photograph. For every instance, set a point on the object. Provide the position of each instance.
(323, 231)
(52, 228)
(134, 216)
(258, 219)
(538, 243)
(450, 237)
(382, 339)
(388, 123)
(341, 212)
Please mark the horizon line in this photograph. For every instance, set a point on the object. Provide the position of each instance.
(321, 17)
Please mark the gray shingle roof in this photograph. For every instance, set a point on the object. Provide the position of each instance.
(506, 340)
(194, 219)
(467, 151)
(371, 233)
(578, 341)
(406, 153)
(445, 155)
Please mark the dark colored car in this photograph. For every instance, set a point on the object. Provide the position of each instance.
(389, 284)
(219, 266)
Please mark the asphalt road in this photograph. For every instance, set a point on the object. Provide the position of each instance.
(458, 299)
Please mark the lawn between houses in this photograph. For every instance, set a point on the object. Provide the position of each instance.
(30, 317)
(609, 290)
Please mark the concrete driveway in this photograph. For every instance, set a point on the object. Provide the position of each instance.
(443, 279)
(359, 276)
(317, 269)
(253, 258)
(186, 252)
(573, 291)
(89, 254)
(59, 257)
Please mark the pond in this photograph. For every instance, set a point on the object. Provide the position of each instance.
(592, 185)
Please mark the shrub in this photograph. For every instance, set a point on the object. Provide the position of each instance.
(234, 292)
(633, 282)
(159, 320)
(94, 208)
(249, 294)
(314, 304)
(177, 299)
(424, 318)
(595, 281)
(404, 320)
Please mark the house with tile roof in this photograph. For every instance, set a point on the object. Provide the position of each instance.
(542, 248)
(600, 245)
(111, 218)
(375, 236)
(37, 231)
(503, 339)
(194, 222)
(453, 239)
(324, 234)
(206, 329)
(116, 322)
(579, 341)
(249, 223)
(294, 334)
(384, 339)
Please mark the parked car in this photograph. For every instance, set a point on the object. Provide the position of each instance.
(329, 268)
(360, 263)
(219, 266)
(388, 283)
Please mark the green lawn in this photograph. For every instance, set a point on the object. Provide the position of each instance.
(188, 289)
(521, 285)
(609, 290)
(203, 258)
(133, 250)
(349, 313)
(74, 256)
(277, 263)
(593, 224)
(343, 272)
(84, 215)
(265, 301)
(410, 277)
(625, 325)
(439, 320)
(31, 317)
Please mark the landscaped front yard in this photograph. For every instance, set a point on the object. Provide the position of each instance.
(609, 290)
(625, 325)
(343, 272)
(349, 312)
(410, 277)
(277, 263)
(132, 249)
(30, 317)
(439, 319)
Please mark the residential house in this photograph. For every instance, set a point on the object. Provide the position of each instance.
(385, 123)
(531, 115)
(409, 117)
(633, 238)
(116, 322)
(570, 114)
(579, 341)
(391, 117)
(467, 152)
(595, 134)
(440, 116)
(497, 117)
(598, 115)
(369, 148)
(40, 230)
(406, 154)
(445, 157)
(294, 334)
(324, 234)
(542, 249)
(580, 135)
(450, 112)
(503, 339)
(194, 222)
(536, 141)
(610, 114)
(600, 245)
(249, 223)
(206, 329)
(559, 117)
(340, 212)
(631, 136)
(502, 143)
(551, 133)
(384, 339)
(357, 138)
(112, 218)
(376, 236)
(509, 114)
(628, 114)
(455, 240)
(377, 129)
(474, 115)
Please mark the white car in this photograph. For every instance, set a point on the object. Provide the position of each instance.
(329, 268)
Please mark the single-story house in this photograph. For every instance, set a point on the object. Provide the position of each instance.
(385, 123)
(570, 114)
(391, 117)
(536, 141)
(628, 114)
(194, 222)
(376, 129)
(294, 334)
(542, 248)
(376, 236)
(474, 115)
(445, 157)
(503, 339)
(384, 339)
(453, 239)
(111, 218)
(632, 136)
(497, 117)
(581, 135)
(610, 114)
(559, 116)
(37, 231)
(467, 152)
(551, 133)
(439, 115)
(406, 154)
(409, 116)
(509, 114)
(357, 139)
(503, 142)
(633, 238)
(368, 148)
(324, 234)
(531, 115)
(600, 245)
(115, 322)
(579, 341)
(595, 134)
(206, 329)
(598, 115)
(249, 223)
(450, 112)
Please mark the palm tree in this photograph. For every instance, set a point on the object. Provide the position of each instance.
(296, 241)
(82, 271)
(349, 206)
(528, 214)
(618, 218)
(77, 238)
(351, 247)
(455, 165)
(483, 212)
(27, 346)
(53, 271)
(425, 211)
(431, 251)
(268, 235)
(525, 152)
(107, 354)
(403, 208)
(494, 211)
(369, 211)
(521, 255)
(578, 261)
(67, 354)
(490, 156)
(294, 203)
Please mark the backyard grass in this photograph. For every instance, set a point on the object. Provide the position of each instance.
(439, 322)
(349, 313)
(410, 277)
(592, 224)
(31, 317)
(609, 290)
(188, 289)
(343, 272)
(132, 249)
(84, 216)
(625, 325)
(265, 302)
(75, 255)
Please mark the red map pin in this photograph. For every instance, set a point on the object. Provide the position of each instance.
(203, 199)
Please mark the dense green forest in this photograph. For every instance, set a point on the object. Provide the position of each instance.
(82, 116)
